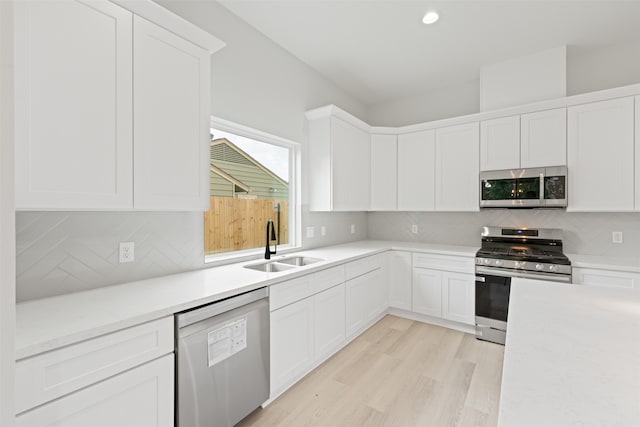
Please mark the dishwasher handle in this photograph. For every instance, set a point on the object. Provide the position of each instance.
(196, 315)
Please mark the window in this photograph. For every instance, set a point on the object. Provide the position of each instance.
(253, 179)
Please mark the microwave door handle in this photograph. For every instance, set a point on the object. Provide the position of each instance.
(542, 199)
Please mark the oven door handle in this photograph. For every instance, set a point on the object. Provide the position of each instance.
(524, 275)
(481, 279)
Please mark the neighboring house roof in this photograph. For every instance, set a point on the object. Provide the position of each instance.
(228, 177)
(234, 165)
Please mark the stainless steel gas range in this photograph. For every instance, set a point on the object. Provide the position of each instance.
(513, 252)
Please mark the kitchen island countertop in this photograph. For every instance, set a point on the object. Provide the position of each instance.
(572, 356)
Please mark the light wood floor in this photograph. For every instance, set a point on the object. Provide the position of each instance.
(398, 373)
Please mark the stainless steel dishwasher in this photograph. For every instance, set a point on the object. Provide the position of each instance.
(222, 360)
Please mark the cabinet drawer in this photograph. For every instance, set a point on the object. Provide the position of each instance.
(290, 291)
(362, 266)
(328, 278)
(607, 278)
(142, 396)
(444, 262)
(45, 377)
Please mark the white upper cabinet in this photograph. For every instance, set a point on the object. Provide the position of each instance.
(500, 144)
(416, 171)
(384, 172)
(601, 156)
(339, 162)
(637, 150)
(112, 111)
(171, 120)
(73, 105)
(457, 164)
(532, 140)
(543, 140)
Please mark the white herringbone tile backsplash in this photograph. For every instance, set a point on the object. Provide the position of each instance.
(584, 233)
(61, 252)
(64, 252)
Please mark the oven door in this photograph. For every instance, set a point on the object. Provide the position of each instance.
(492, 306)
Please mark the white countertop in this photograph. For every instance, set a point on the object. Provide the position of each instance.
(631, 264)
(572, 356)
(50, 323)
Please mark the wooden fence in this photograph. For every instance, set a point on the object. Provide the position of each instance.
(234, 224)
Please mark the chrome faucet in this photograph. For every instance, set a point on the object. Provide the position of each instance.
(267, 250)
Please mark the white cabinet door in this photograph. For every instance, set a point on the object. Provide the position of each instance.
(416, 171)
(384, 149)
(330, 332)
(73, 85)
(601, 156)
(399, 278)
(139, 397)
(457, 164)
(171, 120)
(292, 340)
(427, 292)
(361, 301)
(500, 144)
(637, 150)
(543, 139)
(350, 163)
(458, 297)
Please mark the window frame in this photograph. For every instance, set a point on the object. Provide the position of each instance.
(295, 207)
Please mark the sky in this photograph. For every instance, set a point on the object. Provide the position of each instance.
(271, 156)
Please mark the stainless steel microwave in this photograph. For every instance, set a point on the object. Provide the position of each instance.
(524, 188)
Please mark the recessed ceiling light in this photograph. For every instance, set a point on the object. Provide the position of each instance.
(430, 17)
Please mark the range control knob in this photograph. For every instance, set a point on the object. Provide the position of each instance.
(539, 266)
(487, 261)
(498, 262)
(519, 264)
(553, 268)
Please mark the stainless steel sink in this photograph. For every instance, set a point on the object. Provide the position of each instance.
(283, 264)
(299, 260)
(270, 267)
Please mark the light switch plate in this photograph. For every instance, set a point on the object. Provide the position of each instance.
(323, 230)
(311, 232)
(353, 229)
(414, 229)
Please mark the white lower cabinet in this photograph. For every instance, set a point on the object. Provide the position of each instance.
(124, 378)
(365, 299)
(427, 292)
(329, 325)
(444, 287)
(399, 279)
(292, 340)
(458, 297)
(141, 397)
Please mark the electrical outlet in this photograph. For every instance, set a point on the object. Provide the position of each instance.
(126, 252)
(353, 229)
(323, 230)
(311, 232)
(616, 236)
(414, 229)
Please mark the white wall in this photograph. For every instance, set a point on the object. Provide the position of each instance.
(450, 101)
(254, 83)
(7, 218)
(588, 70)
(601, 68)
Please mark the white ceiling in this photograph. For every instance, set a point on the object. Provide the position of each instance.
(380, 50)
